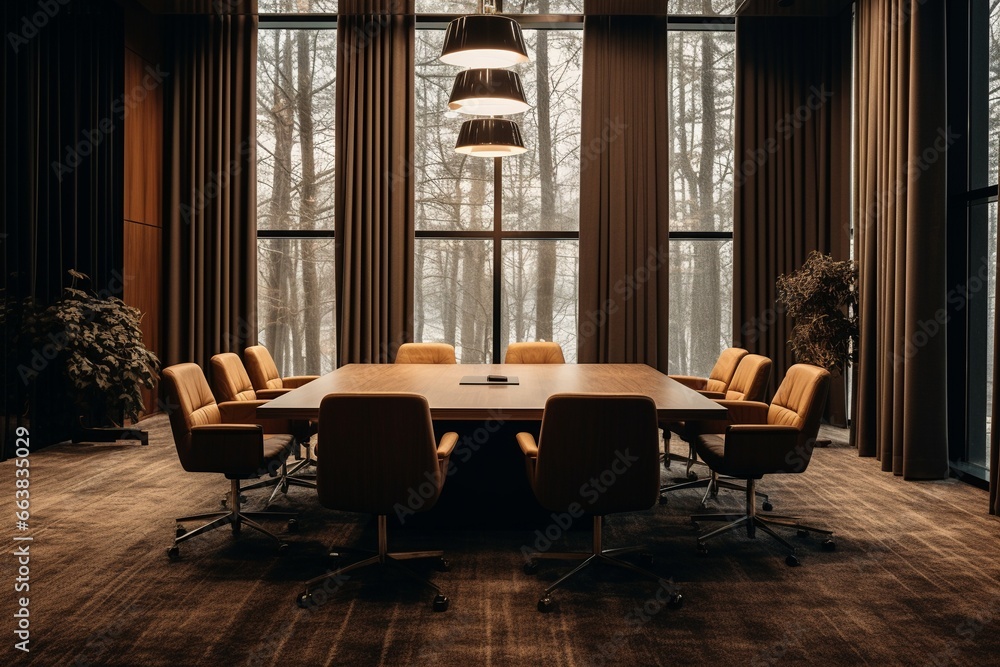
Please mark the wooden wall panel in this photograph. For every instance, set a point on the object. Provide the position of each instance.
(143, 141)
(143, 275)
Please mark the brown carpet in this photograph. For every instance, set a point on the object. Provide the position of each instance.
(915, 578)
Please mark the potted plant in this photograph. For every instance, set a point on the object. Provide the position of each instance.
(97, 343)
(822, 297)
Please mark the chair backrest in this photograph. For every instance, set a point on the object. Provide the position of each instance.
(230, 380)
(540, 352)
(189, 403)
(598, 450)
(261, 369)
(724, 369)
(799, 402)
(378, 453)
(425, 353)
(750, 379)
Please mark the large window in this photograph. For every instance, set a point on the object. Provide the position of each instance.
(702, 65)
(295, 251)
(497, 239)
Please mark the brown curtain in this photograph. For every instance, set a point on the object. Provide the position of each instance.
(374, 182)
(61, 187)
(792, 179)
(624, 217)
(211, 252)
(900, 216)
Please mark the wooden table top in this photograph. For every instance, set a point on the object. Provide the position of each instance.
(525, 401)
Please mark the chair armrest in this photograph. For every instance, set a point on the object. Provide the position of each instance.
(232, 449)
(527, 443)
(447, 444)
(270, 394)
(760, 449)
(296, 381)
(714, 395)
(746, 412)
(245, 412)
(690, 381)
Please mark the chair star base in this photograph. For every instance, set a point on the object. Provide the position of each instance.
(711, 484)
(752, 521)
(597, 554)
(386, 559)
(235, 517)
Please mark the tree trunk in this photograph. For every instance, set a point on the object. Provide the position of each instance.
(307, 208)
(546, 275)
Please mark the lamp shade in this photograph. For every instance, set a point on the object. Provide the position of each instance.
(490, 137)
(487, 92)
(484, 40)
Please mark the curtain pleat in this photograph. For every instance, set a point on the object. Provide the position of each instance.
(995, 398)
(374, 182)
(900, 234)
(624, 216)
(792, 182)
(211, 254)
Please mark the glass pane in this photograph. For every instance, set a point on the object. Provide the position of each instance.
(540, 284)
(509, 6)
(295, 142)
(453, 191)
(541, 188)
(702, 7)
(295, 304)
(453, 296)
(991, 284)
(701, 299)
(702, 75)
(297, 6)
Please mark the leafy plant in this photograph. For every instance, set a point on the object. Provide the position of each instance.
(98, 343)
(822, 297)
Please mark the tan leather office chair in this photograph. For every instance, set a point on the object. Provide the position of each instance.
(748, 384)
(714, 386)
(268, 384)
(425, 353)
(764, 439)
(264, 376)
(215, 438)
(231, 382)
(539, 352)
(596, 454)
(380, 457)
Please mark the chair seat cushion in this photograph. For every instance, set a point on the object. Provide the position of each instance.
(711, 447)
(277, 447)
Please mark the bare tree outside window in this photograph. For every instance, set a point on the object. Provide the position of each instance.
(295, 183)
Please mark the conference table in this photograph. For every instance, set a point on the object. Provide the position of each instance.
(524, 401)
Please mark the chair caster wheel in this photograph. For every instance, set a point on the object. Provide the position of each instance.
(284, 487)
(802, 533)
(440, 603)
(293, 525)
(829, 545)
(243, 498)
(702, 549)
(767, 506)
(304, 600)
(792, 561)
(283, 549)
(546, 604)
(692, 475)
(695, 525)
(531, 567)
(174, 554)
(180, 531)
(443, 565)
(224, 503)
(664, 500)
(676, 601)
(645, 559)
